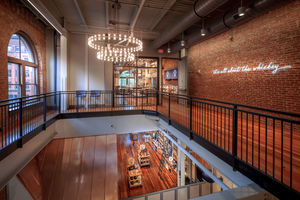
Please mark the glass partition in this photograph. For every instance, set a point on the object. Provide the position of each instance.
(140, 75)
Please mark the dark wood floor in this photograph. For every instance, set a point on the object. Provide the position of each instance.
(151, 181)
(74, 168)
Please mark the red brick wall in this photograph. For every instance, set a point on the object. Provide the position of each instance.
(168, 64)
(272, 37)
(13, 18)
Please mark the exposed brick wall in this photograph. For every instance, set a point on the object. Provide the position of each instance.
(272, 37)
(13, 18)
(168, 64)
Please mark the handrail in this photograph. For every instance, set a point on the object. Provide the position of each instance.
(175, 189)
(224, 128)
(167, 94)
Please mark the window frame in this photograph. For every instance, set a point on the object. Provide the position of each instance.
(23, 63)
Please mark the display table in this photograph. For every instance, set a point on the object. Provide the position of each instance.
(134, 173)
(144, 156)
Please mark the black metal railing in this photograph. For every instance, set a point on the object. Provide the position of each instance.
(258, 142)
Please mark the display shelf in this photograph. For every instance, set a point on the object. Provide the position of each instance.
(157, 142)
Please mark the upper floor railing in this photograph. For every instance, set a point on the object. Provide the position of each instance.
(258, 142)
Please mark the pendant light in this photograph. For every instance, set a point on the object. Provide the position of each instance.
(203, 29)
(182, 42)
(169, 49)
(241, 10)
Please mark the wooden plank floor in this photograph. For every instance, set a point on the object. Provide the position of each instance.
(74, 168)
(151, 181)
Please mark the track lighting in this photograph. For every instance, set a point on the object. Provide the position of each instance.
(203, 30)
(182, 43)
(241, 10)
(169, 50)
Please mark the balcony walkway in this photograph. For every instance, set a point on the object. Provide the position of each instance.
(263, 142)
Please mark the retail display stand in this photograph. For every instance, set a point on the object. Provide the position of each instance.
(144, 156)
(134, 173)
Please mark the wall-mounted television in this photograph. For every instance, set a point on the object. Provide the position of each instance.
(171, 74)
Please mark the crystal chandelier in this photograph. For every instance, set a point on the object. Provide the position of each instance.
(114, 47)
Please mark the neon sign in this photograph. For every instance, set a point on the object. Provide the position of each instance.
(261, 67)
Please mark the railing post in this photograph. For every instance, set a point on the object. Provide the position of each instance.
(77, 102)
(169, 109)
(59, 102)
(147, 97)
(123, 97)
(113, 98)
(45, 111)
(142, 99)
(157, 100)
(20, 141)
(234, 135)
(191, 120)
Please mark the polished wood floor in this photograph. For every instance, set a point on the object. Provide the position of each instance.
(93, 167)
(151, 180)
(74, 168)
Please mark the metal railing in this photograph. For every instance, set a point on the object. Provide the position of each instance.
(258, 142)
(179, 193)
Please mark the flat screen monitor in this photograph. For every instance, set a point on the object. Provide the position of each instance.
(171, 74)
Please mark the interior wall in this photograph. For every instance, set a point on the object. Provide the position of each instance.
(63, 64)
(270, 38)
(85, 71)
(169, 64)
(50, 60)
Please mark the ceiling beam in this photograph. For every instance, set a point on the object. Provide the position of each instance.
(164, 11)
(132, 25)
(79, 12)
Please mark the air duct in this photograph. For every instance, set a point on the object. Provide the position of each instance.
(229, 20)
(203, 8)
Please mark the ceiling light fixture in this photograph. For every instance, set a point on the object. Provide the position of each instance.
(169, 49)
(115, 47)
(182, 42)
(241, 10)
(203, 30)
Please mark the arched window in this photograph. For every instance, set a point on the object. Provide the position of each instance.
(22, 67)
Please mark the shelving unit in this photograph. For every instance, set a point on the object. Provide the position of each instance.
(157, 142)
